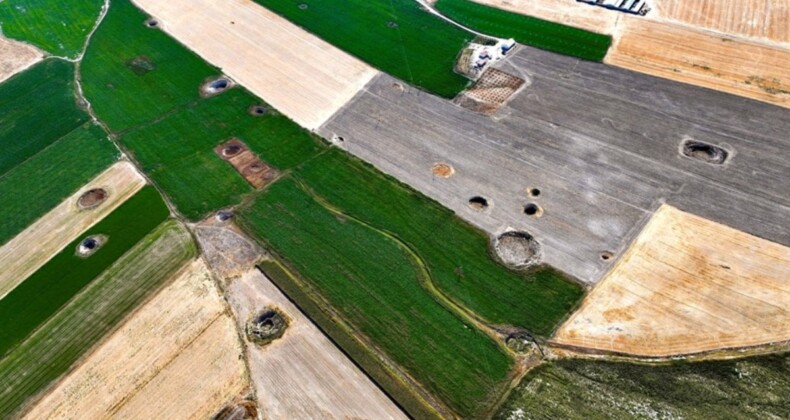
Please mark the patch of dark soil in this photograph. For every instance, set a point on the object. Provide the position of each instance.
(704, 152)
(269, 325)
(517, 249)
(92, 198)
(140, 65)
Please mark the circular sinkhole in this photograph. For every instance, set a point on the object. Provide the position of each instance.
(92, 198)
(392, 24)
(533, 192)
(398, 87)
(232, 150)
(269, 325)
(517, 249)
(478, 203)
(257, 167)
(534, 210)
(224, 215)
(152, 23)
(443, 170)
(258, 110)
(216, 86)
(704, 152)
(90, 245)
(606, 255)
(303, 6)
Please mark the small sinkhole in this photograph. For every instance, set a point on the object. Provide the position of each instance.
(478, 203)
(533, 209)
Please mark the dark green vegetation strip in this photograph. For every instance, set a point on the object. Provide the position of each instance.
(57, 26)
(34, 187)
(51, 350)
(527, 30)
(37, 107)
(456, 254)
(363, 357)
(146, 85)
(376, 285)
(45, 291)
(577, 389)
(395, 36)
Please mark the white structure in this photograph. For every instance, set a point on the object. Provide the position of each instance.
(638, 7)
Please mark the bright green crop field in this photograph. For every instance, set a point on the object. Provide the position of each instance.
(45, 291)
(166, 76)
(376, 285)
(527, 30)
(82, 322)
(37, 107)
(750, 388)
(27, 192)
(395, 36)
(455, 253)
(56, 26)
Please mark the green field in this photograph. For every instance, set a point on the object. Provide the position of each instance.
(37, 107)
(165, 124)
(527, 30)
(78, 326)
(749, 388)
(421, 49)
(455, 253)
(27, 192)
(45, 291)
(120, 94)
(58, 27)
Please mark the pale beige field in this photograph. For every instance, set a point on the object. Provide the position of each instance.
(177, 356)
(16, 56)
(302, 374)
(687, 285)
(29, 250)
(761, 19)
(701, 58)
(302, 76)
(568, 12)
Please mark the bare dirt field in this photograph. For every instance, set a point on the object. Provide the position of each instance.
(687, 285)
(568, 12)
(33, 247)
(491, 92)
(228, 252)
(701, 58)
(178, 356)
(302, 76)
(16, 56)
(247, 163)
(302, 374)
(762, 19)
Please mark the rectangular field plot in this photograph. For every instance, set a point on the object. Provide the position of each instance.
(51, 350)
(27, 192)
(396, 36)
(59, 27)
(528, 30)
(37, 107)
(45, 291)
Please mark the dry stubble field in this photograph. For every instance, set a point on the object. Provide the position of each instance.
(16, 56)
(299, 74)
(303, 374)
(687, 285)
(177, 356)
(33, 247)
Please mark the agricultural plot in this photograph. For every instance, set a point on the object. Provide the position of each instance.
(528, 30)
(376, 284)
(42, 93)
(572, 13)
(580, 389)
(28, 251)
(16, 56)
(39, 297)
(58, 27)
(27, 191)
(58, 343)
(396, 36)
(135, 373)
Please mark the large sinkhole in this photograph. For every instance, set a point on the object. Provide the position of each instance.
(704, 152)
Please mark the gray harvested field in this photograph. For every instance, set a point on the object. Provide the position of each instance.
(601, 144)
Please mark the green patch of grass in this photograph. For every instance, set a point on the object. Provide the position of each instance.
(125, 95)
(59, 27)
(527, 30)
(178, 151)
(52, 349)
(395, 36)
(37, 107)
(34, 187)
(45, 291)
(580, 389)
(456, 254)
(368, 361)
